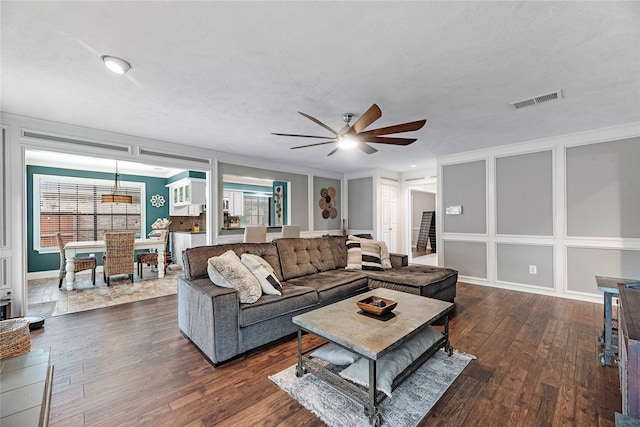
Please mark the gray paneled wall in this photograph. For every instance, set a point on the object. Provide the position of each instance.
(469, 258)
(320, 223)
(360, 195)
(464, 184)
(583, 264)
(524, 194)
(603, 189)
(514, 261)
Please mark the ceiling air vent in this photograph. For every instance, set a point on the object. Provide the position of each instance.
(144, 151)
(67, 140)
(537, 99)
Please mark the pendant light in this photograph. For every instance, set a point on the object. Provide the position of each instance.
(116, 195)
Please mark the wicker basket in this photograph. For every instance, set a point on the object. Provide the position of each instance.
(15, 338)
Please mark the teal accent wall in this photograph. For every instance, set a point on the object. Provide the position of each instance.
(51, 261)
(186, 174)
(247, 188)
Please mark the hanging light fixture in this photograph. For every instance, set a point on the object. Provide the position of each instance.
(116, 195)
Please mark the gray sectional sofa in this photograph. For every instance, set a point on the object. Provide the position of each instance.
(313, 274)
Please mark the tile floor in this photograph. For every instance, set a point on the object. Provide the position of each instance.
(88, 297)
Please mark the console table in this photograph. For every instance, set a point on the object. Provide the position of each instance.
(609, 287)
(25, 397)
(629, 349)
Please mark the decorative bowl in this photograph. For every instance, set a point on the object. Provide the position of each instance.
(367, 305)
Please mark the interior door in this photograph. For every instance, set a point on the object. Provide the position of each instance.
(389, 219)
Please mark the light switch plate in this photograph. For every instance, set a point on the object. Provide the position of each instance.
(453, 210)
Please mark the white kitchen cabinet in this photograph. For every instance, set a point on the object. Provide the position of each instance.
(187, 196)
(233, 202)
(238, 203)
(181, 240)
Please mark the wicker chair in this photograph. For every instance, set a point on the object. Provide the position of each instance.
(118, 257)
(151, 258)
(81, 264)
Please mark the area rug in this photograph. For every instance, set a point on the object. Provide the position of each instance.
(408, 405)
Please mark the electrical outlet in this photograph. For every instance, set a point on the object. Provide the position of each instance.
(533, 269)
(92, 255)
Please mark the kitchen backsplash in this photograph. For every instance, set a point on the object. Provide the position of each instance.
(187, 223)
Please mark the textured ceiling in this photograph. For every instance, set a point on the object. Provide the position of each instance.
(224, 75)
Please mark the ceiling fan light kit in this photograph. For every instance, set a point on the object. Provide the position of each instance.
(355, 136)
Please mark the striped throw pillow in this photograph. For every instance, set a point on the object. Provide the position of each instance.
(363, 255)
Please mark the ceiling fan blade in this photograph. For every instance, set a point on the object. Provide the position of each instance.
(369, 116)
(316, 121)
(333, 151)
(301, 136)
(366, 148)
(313, 145)
(387, 140)
(404, 127)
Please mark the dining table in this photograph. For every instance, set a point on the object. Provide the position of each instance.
(85, 247)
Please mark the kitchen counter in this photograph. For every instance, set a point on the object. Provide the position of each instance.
(181, 240)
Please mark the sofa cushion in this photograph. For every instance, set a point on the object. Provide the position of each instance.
(293, 298)
(263, 272)
(333, 285)
(228, 271)
(393, 363)
(195, 259)
(338, 248)
(300, 257)
(334, 354)
(363, 255)
(428, 281)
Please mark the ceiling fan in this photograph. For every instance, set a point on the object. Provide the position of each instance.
(351, 136)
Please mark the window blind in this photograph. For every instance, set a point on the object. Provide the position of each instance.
(75, 209)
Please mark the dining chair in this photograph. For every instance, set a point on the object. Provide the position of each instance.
(80, 264)
(119, 254)
(290, 231)
(151, 258)
(255, 234)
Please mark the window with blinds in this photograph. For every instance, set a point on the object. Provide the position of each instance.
(73, 207)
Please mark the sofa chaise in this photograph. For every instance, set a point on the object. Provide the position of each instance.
(313, 274)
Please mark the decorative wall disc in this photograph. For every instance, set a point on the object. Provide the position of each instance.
(157, 200)
(327, 202)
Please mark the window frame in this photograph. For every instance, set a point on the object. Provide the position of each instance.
(38, 178)
(245, 205)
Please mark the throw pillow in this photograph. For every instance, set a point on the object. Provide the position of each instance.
(385, 258)
(263, 272)
(393, 363)
(228, 271)
(363, 255)
(335, 354)
(354, 255)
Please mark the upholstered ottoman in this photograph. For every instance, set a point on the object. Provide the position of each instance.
(432, 282)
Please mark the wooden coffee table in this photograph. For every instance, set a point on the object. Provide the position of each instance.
(370, 337)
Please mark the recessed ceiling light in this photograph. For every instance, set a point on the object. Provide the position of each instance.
(117, 65)
(414, 166)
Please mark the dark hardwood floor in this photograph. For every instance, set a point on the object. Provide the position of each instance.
(129, 365)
